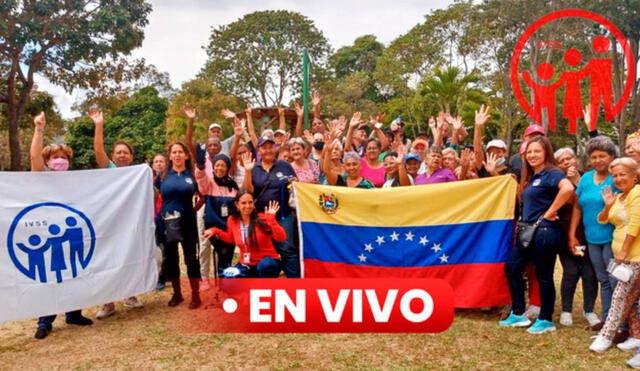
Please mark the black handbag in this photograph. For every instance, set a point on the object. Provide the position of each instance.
(526, 232)
(172, 228)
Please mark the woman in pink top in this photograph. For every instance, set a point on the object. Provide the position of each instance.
(370, 167)
(307, 170)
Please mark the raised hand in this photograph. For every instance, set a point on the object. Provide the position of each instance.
(299, 110)
(272, 208)
(316, 98)
(457, 123)
(308, 136)
(432, 123)
(96, 116)
(490, 164)
(465, 157)
(586, 114)
(608, 196)
(40, 121)
(482, 115)
(280, 110)
(355, 120)
(342, 123)
(247, 161)
(189, 111)
(238, 128)
(228, 114)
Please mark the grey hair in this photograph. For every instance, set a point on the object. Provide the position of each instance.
(351, 154)
(215, 139)
(297, 140)
(602, 143)
(563, 151)
(627, 162)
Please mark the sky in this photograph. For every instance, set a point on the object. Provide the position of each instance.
(178, 30)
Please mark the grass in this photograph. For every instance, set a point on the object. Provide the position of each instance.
(150, 338)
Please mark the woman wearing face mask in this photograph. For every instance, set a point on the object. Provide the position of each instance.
(307, 170)
(177, 187)
(51, 158)
(219, 194)
(370, 167)
(435, 173)
(544, 190)
(122, 155)
(254, 234)
(623, 211)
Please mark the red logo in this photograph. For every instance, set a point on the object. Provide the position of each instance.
(598, 70)
(327, 305)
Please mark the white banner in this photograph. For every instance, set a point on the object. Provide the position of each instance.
(74, 239)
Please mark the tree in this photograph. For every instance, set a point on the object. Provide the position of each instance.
(50, 37)
(140, 121)
(258, 57)
(447, 89)
(359, 57)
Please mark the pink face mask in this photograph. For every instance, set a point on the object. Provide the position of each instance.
(59, 164)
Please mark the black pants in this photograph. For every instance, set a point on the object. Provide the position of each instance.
(574, 268)
(223, 250)
(542, 252)
(171, 264)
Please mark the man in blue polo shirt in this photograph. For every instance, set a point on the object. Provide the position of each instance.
(269, 180)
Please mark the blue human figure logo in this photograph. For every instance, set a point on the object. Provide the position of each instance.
(48, 236)
(36, 257)
(73, 235)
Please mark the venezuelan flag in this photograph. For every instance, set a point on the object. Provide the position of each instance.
(460, 232)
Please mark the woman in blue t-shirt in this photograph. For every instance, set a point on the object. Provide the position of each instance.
(177, 187)
(601, 152)
(544, 189)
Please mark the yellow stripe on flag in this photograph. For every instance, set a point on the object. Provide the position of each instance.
(434, 204)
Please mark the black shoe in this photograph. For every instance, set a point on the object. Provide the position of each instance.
(620, 337)
(42, 333)
(79, 320)
(175, 300)
(195, 303)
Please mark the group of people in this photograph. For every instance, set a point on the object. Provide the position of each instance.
(233, 195)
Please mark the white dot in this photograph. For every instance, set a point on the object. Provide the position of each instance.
(230, 305)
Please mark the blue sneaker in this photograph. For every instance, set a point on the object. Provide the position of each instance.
(541, 326)
(515, 321)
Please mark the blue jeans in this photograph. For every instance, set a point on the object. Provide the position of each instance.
(543, 250)
(46, 322)
(600, 256)
(288, 251)
(267, 268)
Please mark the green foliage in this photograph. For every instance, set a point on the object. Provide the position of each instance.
(140, 122)
(258, 57)
(360, 57)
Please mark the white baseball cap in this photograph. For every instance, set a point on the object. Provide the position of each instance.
(215, 125)
(497, 143)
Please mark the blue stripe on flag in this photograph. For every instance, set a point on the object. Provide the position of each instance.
(469, 243)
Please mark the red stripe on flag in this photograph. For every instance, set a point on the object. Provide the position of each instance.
(474, 285)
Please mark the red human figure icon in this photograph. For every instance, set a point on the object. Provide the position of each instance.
(599, 71)
(572, 109)
(544, 96)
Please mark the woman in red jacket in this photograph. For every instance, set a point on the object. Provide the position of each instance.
(253, 233)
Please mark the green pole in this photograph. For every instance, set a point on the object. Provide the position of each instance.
(305, 87)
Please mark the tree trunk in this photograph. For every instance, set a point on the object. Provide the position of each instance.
(12, 117)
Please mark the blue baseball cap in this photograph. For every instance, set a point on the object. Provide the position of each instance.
(411, 156)
(264, 139)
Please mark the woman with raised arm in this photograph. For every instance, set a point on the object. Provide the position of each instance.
(351, 177)
(121, 155)
(54, 157)
(623, 211)
(544, 190)
(254, 234)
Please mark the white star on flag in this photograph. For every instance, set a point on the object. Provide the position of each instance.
(394, 236)
(380, 240)
(408, 236)
(444, 259)
(436, 247)
(362, 258)
(424, 241)
(368, 247)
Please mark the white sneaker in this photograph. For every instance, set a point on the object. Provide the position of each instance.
(107, 310)
(592, 318)
(533, 311)
(630, 344)
(634, 362)
(133, 302)
(600, 344)
(566, 319)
